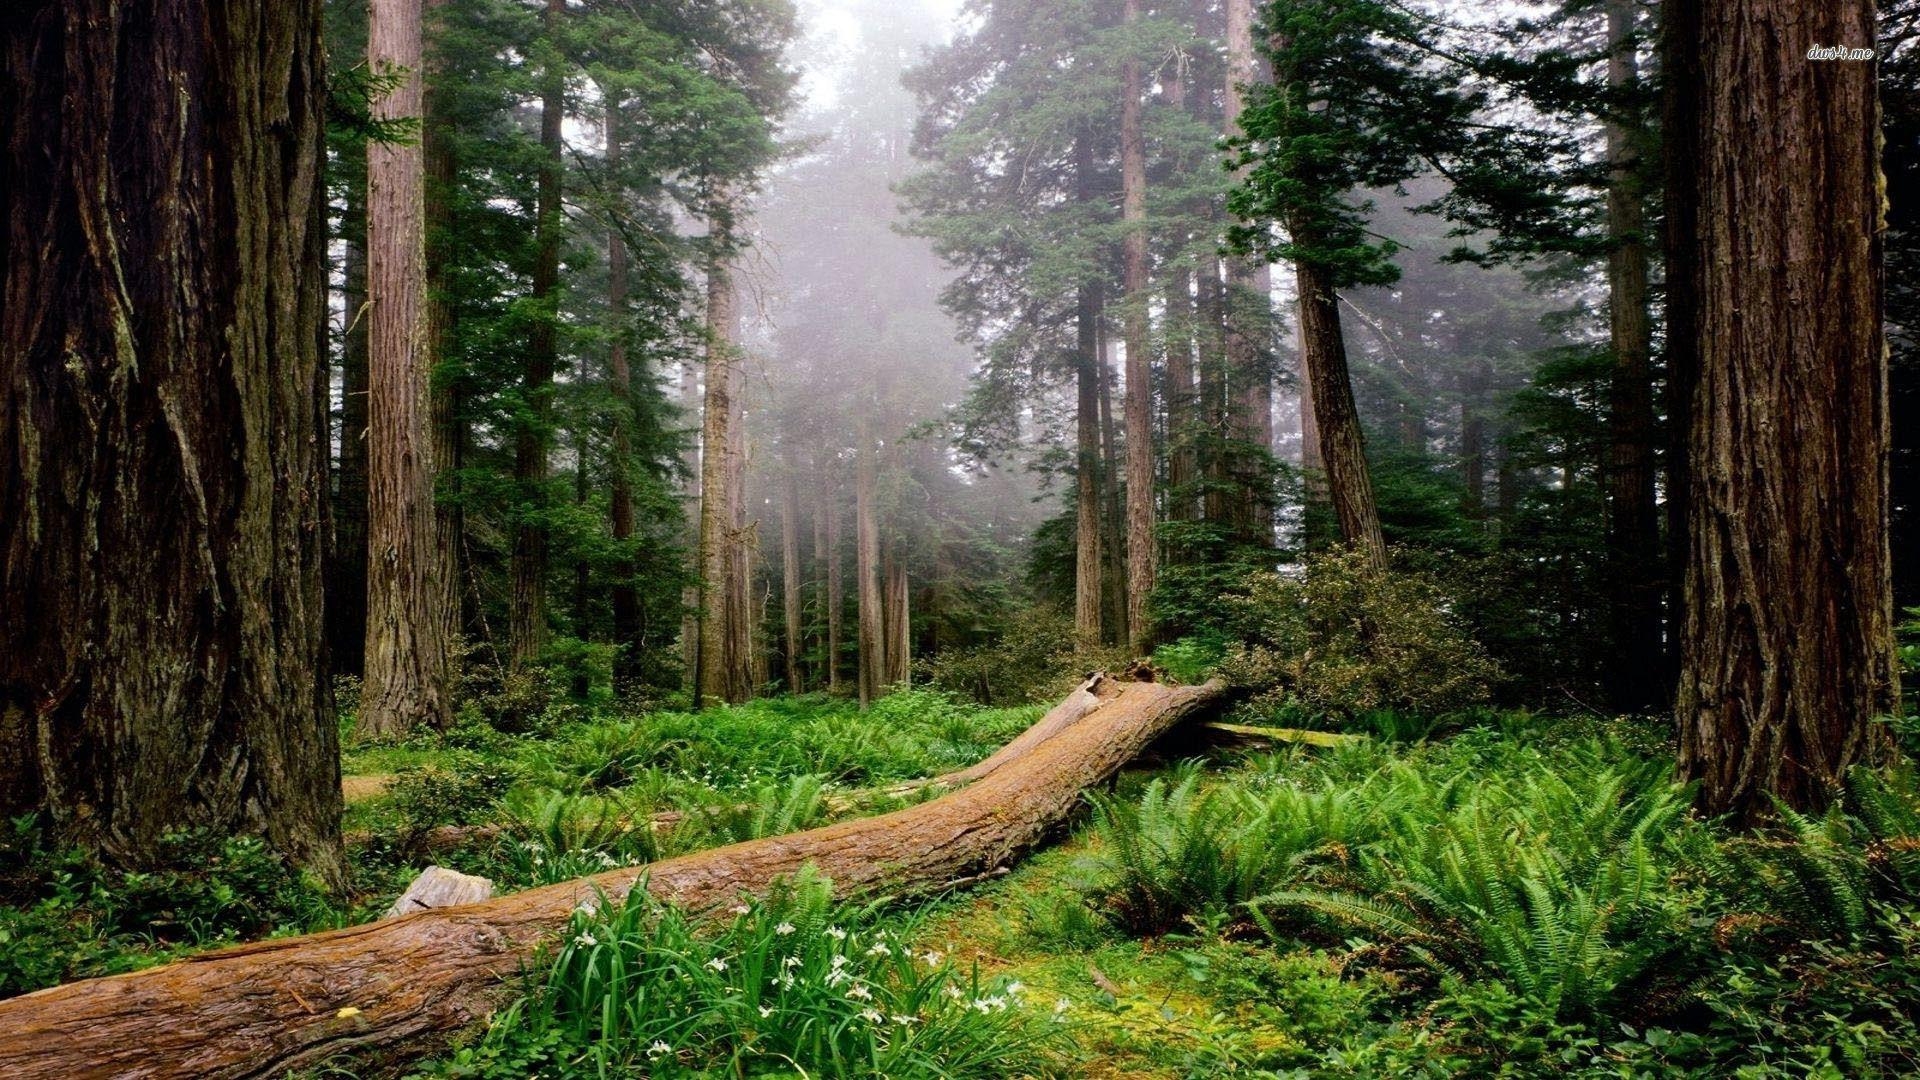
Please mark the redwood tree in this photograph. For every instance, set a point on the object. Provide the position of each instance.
(1138, 405)
(162, 425)
(408, 651)
(1786, 643)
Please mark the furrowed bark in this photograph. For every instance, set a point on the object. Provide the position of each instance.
(257, 1010)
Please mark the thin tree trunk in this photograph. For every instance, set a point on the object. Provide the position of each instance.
(1114, 545)
(790, 571)
(744, 672)
(691, 410)
(1087, 592)
(442, 387)
(867, 573)
(898, 621)
(407, 670)
(1473, 441)
(527, 622)
(1138, 404)
(836, 591)
(1343, 447)
(346, 583)
(626, 604)
(1216, 506)
(1179, 333)
(163, 428)
(1636, 669)
(1787, 643)
(822, 671)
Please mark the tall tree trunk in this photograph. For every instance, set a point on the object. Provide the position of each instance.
(1114, 545)
(713, 663)
(1138, 405)
(443, 387)
(163, 426)
(1087, 568)
(790, 571)
(626, 604)
(692, 413)
(1343, 448)
(1180, 334)
(1635, 673)
(836, 592)
(745, 664)
(407, 671)
(1787, 644)
(527, 622)
(346, 581)
(1249, 312)
(866, 540)
(1216, 506)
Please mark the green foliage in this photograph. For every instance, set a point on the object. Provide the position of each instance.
(459, 789)
(792, 984)
(1340, 637)
(1191, 659)
(1036, 658)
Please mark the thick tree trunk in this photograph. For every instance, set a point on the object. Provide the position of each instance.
(1636, 671)
(1179, 330)
(527, 622)
(692, 412)
(259, 1010)
(626, 604)
(1138, 405)
(1249, 312)
(1216, 506)
(1343, 448)
(1473, 440)
(714, 662)
(866, 543)
(1114, 515)
(407, 669)
(1787, 645)
(790, 573)
(346, 580)
(163, 427)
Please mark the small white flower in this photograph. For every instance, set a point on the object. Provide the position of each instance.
(871, 1016)
(1062, 1005)
(859, 990)
(766, 1011)
(953, 992)
(717, 964)
(1016, 986)
(740, 909)
(835, 933)
(791, 961)
(904, 1020)
(586, 940)
(783, 929)
(657, 1049)
(879, 949)
(932, 957)
(839, 962)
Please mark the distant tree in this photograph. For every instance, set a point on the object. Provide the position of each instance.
(162, 427)
(1786, 647)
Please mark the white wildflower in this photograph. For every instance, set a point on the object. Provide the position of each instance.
(586, 940)
(839, 962)
(932, 957)
(835, 933)
(871, 1016)
(1016, 986)
(717, 964)
(658, 1049)
(904, 1020)
(791, 961)
(766, 1011)
(859, 990)
(879, 949)
(783, 929)
(953, 992)
(740, 909)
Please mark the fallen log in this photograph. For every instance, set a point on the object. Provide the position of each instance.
(1285, 734)
(257, 1010)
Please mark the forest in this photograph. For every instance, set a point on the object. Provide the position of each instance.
(959, 539)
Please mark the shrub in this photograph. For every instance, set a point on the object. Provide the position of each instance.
(1342, 637)
(1036, 658)
(459, 790)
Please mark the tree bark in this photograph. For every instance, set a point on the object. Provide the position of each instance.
(449, 433)
(346, 580)
(790, 572)
(626, 604)
(1179, 331)
(1787, 645)
(527, 623)
(866, 543)
(1473, 440)
(259, 1010)
(1138, 405)
(1343, 447)
(836, 591)
(1088, 595)
(1636, 669)
(691, 410)
(715, 663)
(407, 668)
(1249, 312)
(163, 426)
(1114, 544)
(898, 621)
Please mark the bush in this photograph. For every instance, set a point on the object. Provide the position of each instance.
(460, 790)
(1341, 637)
(1036, 658)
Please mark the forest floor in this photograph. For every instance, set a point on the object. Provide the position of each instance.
(1486, 894)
